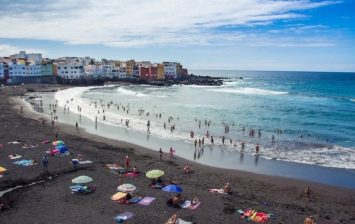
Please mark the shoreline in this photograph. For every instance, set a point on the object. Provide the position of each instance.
(282, 196)
(332, 176)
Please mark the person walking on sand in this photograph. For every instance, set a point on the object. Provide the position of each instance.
(308, 191)
(45, 163)
(160, 154)
(195, 143)
(171, 152)
(75, 164)
(76, 125)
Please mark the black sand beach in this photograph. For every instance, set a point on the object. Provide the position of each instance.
(51, 201)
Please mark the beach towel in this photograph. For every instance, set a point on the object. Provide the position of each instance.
(214, 190)
(252, 215)
(193, 207)
(14, 142)
(114, 167)
(185, 204)
(130, 174)
(81, 189)
(135, 199)
(29, 146)
(146, 201)
(85, 162)
(25, 162)
(157, 186)
(180, 221)
(123, 217)
(14, 156)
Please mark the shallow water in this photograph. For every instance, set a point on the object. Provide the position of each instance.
(315, 112)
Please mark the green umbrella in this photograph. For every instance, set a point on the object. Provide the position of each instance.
(81, 180)
(154, 174)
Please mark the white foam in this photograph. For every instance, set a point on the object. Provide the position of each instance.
(333, 156)
(249, 91)
(194, 86)
(130, 92)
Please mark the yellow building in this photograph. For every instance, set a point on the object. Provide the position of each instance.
(129, 67)
(160, 72)
(21, 61)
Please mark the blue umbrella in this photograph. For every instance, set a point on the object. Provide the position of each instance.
(172, 188)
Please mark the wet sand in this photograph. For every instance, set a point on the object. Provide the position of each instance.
(51, 201)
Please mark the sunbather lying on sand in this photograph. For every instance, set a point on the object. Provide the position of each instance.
(225, 190)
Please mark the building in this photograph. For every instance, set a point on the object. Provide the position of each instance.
(2, 70)
(130, 67)
(71, 71)
(17, 70)
(34, 58)
(170, 70)
(160, 72)
(135, 72)
(119, 72)
(144, 73)
(33, 70)
(148, 73)
(47, 69)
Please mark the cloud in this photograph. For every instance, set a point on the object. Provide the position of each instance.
(136, 23)
(6, 49)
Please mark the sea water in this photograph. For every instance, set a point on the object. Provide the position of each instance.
(311, 117)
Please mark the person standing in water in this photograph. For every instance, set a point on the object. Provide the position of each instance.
(257, 148)
(160, 154)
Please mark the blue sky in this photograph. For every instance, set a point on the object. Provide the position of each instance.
(202, 34)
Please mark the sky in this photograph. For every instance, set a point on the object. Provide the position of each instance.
(291, 35)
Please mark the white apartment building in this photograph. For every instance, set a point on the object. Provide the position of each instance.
(170, 70)
(119, 72)
(71, 71)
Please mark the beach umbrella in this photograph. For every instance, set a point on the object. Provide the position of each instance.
(126, 188)
(118, 196)
(172, 188)
(2, 169)
(81, 180)
(154, 174)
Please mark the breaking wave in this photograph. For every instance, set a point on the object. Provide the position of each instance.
(250, 91)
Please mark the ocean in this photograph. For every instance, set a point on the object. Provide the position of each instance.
(310, 116)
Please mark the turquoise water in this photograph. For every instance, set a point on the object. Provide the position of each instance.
(314, 111)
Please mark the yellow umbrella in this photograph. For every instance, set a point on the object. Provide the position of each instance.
(2, 169)
(118, 196)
